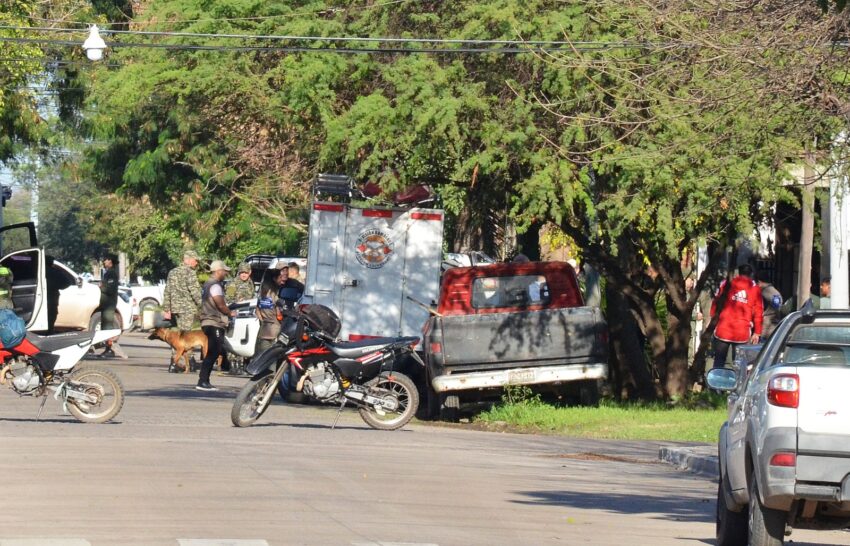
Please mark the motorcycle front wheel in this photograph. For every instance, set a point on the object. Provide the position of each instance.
(104, 387)
(400, 392)
(248, 406)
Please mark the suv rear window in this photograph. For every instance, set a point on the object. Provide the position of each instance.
(509, 291)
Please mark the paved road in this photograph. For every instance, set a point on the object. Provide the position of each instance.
(172, 470)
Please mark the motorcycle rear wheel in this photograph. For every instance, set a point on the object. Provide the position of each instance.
(400, 387)
(247, 406)
(103, 385)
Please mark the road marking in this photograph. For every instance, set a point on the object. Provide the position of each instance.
(393, 544)
(44, 542)
(220, 542)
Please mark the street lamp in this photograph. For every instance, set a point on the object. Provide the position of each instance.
(94, 45)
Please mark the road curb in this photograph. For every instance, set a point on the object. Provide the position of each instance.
(698, 459)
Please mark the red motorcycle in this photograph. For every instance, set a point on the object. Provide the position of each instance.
(307, 358)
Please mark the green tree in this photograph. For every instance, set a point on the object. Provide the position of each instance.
(656, 128)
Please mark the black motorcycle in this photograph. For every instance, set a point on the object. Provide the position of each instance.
(306, 358)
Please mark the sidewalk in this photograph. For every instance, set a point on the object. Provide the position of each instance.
(701, 459)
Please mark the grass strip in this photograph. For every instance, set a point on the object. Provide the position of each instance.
(609, 421)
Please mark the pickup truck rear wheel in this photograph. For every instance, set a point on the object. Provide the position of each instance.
(731, 528)
(449, 408)
(767, 526)
(588, 393)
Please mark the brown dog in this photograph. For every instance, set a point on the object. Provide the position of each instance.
(182, 343)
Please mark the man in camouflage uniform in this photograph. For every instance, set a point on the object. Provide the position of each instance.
(182, 296)
(6, 288)
(242, 287)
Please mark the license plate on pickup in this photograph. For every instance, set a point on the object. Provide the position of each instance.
(521, 377)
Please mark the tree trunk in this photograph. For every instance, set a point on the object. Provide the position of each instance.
(629, 371)
(679, 337)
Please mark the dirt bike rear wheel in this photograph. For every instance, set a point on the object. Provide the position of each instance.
(246, 408)
(103, 385)
(399, 387)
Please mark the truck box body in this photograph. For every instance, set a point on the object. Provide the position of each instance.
(364, 263)
(516, 323)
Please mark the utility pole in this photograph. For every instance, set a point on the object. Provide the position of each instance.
(804, 264)
(839, 240)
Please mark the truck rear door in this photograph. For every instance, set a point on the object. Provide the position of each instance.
(389, 254)
(324, 254)
(367, 263)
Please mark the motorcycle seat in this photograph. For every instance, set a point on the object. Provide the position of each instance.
(354, 349)
(59, 341)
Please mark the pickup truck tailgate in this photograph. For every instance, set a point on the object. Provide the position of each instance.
(824, 401)
(535, 338)
(823, 424)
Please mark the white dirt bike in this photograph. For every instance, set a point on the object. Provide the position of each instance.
(39, 365)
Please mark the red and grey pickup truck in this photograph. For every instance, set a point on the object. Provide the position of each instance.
(512, 324)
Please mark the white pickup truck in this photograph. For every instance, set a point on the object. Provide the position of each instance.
(785, 449)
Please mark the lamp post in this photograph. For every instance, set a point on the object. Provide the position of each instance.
(94, 44)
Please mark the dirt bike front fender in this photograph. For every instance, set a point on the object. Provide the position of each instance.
(265, 360)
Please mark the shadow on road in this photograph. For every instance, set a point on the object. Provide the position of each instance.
(185, 391)
(673, 508)
(65, 421)
(310, 426)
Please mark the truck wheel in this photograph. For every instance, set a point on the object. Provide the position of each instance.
(731, 527)
(449, 408)
(588, 393)
(767, 526)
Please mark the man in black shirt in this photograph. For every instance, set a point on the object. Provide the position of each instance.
(108, 300)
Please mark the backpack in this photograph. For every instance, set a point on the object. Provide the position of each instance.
(12, 328)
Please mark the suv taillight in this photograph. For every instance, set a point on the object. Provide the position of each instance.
(784, 390)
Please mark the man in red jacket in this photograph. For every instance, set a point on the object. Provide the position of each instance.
(740, 306)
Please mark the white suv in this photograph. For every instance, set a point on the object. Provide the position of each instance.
(785, 449)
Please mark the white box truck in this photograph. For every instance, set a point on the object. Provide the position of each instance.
(366, 264)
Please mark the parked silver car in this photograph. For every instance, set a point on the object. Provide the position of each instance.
(785, 449)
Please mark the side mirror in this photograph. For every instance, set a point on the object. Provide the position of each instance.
(79, 282)
(722, 379)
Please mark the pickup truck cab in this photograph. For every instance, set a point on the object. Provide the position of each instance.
(512, 324)
(785, 450)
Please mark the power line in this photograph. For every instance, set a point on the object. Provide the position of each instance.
(359, 39)
(325, 49)
(601, 46)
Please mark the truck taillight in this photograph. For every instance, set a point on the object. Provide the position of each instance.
(783, 459)
(436, 348)
(784, 390)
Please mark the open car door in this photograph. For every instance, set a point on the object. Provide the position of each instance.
(22, 256)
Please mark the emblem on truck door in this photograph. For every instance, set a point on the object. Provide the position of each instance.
(373, 248)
